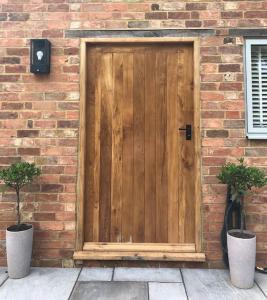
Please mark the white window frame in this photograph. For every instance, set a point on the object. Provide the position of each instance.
(251, 132)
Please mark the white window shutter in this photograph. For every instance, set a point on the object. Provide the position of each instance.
(256, 79)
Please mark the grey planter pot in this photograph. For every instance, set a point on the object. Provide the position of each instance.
(19, 251)
(242, 259)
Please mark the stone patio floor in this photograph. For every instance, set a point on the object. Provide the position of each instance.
(127, 284)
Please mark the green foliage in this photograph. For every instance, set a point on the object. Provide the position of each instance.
(20, 174)
(241, 178)
(17, 176)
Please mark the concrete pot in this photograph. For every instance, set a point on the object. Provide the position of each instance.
(19, 250)
(242, 258)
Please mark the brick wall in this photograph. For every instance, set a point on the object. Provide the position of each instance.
(39, 115)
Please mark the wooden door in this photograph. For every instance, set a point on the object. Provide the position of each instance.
(139, 167)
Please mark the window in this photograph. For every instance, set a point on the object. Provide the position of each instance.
(256, 93)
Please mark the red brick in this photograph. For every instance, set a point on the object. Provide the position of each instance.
(193, 23)
(52, 169)
(18, 16)
(232, 14)
(29, 151)
(229, 68)
(58, 7)
(9, 60)
(9, 160)
(3, 16)
(234, 123)
(53, 33)
(71, 69)
(9, 78)
(256, 14)
(28, 133)
(179, 15)
(12, 7)
(15, 69)
(210, 86)
(230, 86)
(44, 216)
(65, 216)
(217, 133)
(10, 96)
(211, 59)
(8, 115)
(71, 51)
(51, 188)
(213, 114)
(196, 6)
(67, 124)
(12, 105)
(230, 50)
(68, 106)
(18, 51)
(156, 15)
(232, 115)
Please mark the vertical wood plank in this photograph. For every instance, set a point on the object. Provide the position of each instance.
(90, 138)
(172, 148)
(150, 140)
(116, 173)
(161, 155)
(139, 139)
(82, 147)
(127, 159)
(197, 139)
(96, 145)
(186, 148)
(105, 146)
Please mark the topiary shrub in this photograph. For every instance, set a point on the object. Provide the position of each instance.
(17, 176)
(240, 180)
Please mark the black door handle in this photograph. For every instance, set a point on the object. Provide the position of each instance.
(188, 131)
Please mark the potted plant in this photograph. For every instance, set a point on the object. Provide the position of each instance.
(19, 237)
(241, 243)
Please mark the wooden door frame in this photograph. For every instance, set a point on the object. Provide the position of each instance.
(186, 251)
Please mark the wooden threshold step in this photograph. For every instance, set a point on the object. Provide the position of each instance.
(133, 255)
(139, 247)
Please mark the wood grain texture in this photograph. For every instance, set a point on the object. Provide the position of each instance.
(128, 146)
(90, 138)
(96, 144)
(139, 147)
(150, 146)
(162, 197)
(116, 173)
(105, 146)
(132, 255)
(197, 139)
(143, 247)
(172, 146)
(82, 152)
(140, 182)
(185, 148)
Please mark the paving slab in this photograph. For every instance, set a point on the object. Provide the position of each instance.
(96, 274)
(215, 284)
(110, 291)
(261, 280)
(166, 291)
(41, 284)
(3, 275)
(148, 274)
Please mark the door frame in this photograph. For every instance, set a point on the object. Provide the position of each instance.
(112, 251)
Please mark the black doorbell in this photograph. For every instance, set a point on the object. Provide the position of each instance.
(40, 56)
